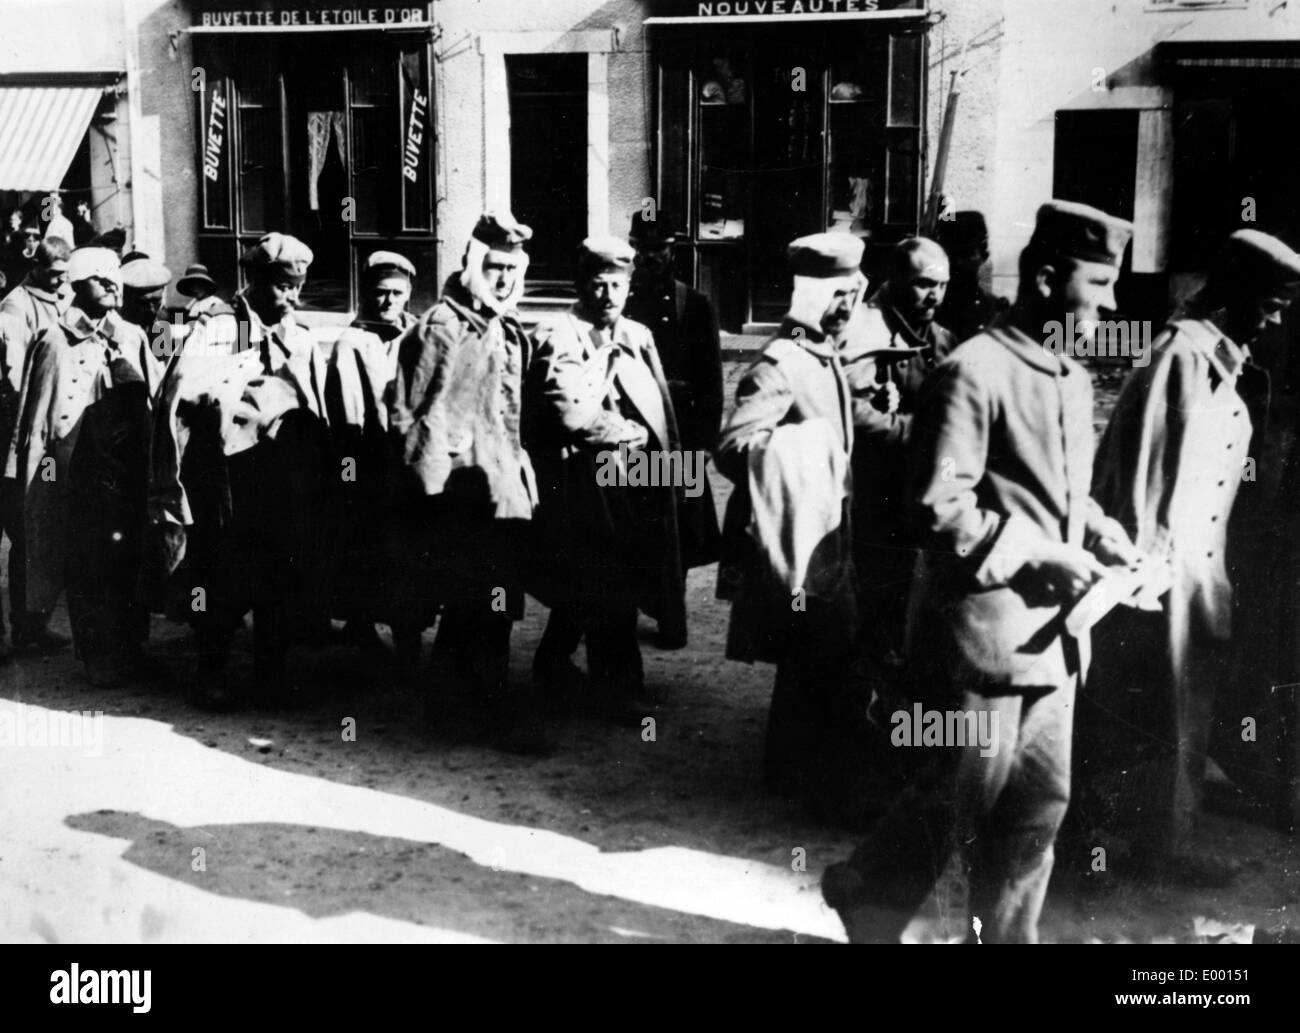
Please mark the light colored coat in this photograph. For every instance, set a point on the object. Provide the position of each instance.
(793, 382)
(67, 371)
(1170, 463)
(1004, 450)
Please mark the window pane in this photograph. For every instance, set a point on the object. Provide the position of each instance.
(259, 158)
(374, 80)
(214, 153)
(417, 135)
(901, 198)
(905, 80)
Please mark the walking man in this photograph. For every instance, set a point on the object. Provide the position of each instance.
(1004, 459)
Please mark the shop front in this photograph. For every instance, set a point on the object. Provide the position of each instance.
(777, 119)
(316, 121)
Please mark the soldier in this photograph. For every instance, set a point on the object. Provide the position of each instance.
(597, 385)
(466, 482)
(32, 307)
(685, 329)
(786, 447)
(887, 386)
(361, 371)
(144, 283)
(70, 368)
(968, 308)
(1004, 455)
(1169, 467)
(240, 477)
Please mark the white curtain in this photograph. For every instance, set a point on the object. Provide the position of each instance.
(319, 127)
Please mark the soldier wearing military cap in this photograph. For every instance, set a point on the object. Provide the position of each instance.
(1004, 456)
(71, 367)
(361, 369)
(1175, 456)
(967, 307)
(240, 478)
(465, 483)
(144, 282)
(685, 329)
(786, 446)
(597, 385)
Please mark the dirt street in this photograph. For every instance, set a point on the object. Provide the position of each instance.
(257, 826)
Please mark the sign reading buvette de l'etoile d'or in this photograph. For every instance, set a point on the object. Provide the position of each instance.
(310, 17)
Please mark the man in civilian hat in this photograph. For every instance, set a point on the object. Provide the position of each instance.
(685, 329)
(894, 341)
(967, 308)
(596, 398)
(1175, 454)
(361, 371)
(787, 560)
(199, 286)
(1004, 456)
(33, 307)
(467, 483)
(69, 368)
(240, 477)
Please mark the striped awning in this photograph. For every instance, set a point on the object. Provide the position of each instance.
(40, 129)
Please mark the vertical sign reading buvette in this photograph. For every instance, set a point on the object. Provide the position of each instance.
(417, 138)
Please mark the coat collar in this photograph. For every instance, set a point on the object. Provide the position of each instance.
(80, 327)
(810, 338)
(48, 297)
(1031, 352)
(384, 331)
(1225, 356)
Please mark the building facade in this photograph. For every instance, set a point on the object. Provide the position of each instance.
(744, 122)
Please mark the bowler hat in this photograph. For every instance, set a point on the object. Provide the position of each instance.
(196, 276)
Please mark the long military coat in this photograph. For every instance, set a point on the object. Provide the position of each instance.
(797, 379)
(67, 372)
(685, 330)
(584, 387)
(1004, 451)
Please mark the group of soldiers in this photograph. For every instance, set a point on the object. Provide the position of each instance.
(916, 513)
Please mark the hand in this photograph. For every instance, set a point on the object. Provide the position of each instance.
(1063, 572)
(1113, 546)
(886, 399)
(636, 436)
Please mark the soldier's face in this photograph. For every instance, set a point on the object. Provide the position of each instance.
(51, 277)
(654, 260)
(96, 295)
(276, 297)
(1248, 322)
(501, 272)
(386, 299)
(142, 307)
(604, 296)
(1086, 291)
(923, 291)
(835, 320)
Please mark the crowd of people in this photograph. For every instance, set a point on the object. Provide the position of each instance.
(916, 514)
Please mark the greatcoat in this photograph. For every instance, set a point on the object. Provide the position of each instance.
(67, 371)
(1004, 450)
(584, 387)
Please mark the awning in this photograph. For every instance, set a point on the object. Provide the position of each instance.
(40, 129)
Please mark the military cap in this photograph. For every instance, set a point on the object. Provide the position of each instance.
(500, 231)
(964, 230)
(825, 254)
(602, 254)
(654, 231)
(278, 253)
(1260, 263)
(387, 263)
(142, 273)
(196, 275)
(86, 262)
(1080, 231)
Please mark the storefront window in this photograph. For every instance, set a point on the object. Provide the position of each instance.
(766, 133)
(334, 146)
